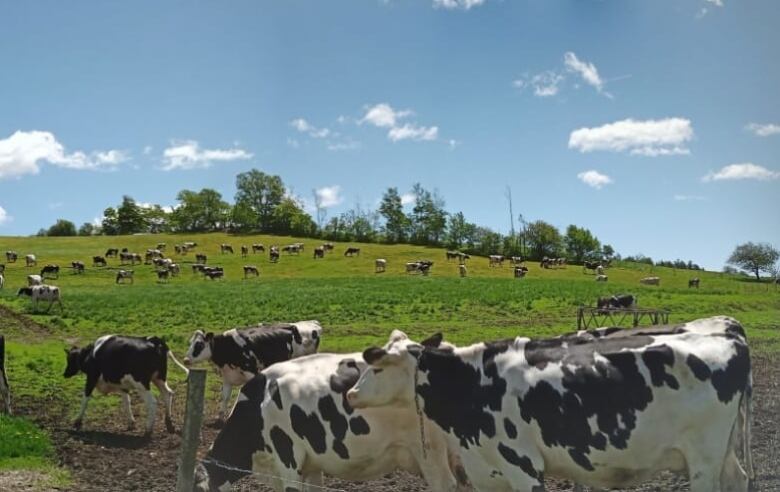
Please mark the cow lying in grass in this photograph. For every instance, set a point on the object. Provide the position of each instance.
(119, 364)
(605, 411)
(292, 423)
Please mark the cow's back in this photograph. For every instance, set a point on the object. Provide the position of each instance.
(139, 357)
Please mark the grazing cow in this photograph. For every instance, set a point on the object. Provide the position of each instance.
(30, 260)
(273, 254)
(650, 281)
(600, 270)
(2, 280)
(99, 261)
(189, 244)
(251, 270)
(77, 266)
(319, 252)
(292, 249)
(516, 260)
(451, 255)
(420, 266)
(225, 248)
(127, 257)
(45, 293)
(11, 256)
(2, 267)
(561, 262)
(201, 258)
(53, 271)
(112, 253)
(34, 280)
(161, 246)
(214, 274)
(258, 247)
(694, 282)
(462, 257)
(5, 390)
(119, 364)
(328, 246)
(520, 271)
(619, 301)
(601, 278)
(546, 263)
(244, 251)
(462, 270)
(163, 275)
(605, 412)
(240, 354)
(496, 260)
(175, 269)
(198, 267)
(178, 249)
(590, 265)
(124, 275)
(350, 251)
(380, 265)
(292, 423)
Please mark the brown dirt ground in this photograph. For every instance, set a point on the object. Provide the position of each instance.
(105, 457)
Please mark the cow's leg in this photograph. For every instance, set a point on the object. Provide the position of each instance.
(151, 405)
(436, 468)
(733, 477)
(128, 409)
(88, 389)
(167, 397)
(227, 389)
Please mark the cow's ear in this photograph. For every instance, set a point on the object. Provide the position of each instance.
(373, 354)
(433, 341)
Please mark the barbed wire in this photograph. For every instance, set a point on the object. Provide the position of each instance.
(226, 466)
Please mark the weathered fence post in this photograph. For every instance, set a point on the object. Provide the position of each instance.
(190, 435)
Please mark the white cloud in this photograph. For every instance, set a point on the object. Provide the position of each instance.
(345, 145)
(408, 199)
(586, 70)
(544, 84)
(4, 217)
(304, 126)
(147, 150)
(329, 196)
(457, 4)
(649, 138)
(717, 3)
(689, 198)
(745, 170)
(384, 116)
(594, 179)
(187, 154)
(764, 130)
(413, 132)
(22, 153)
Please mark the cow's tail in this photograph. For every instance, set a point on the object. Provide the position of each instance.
(746, 423)
(176, 361)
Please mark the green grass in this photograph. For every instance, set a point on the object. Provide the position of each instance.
(357, 307)
(23, 446)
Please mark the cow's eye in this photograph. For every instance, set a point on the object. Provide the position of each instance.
(377, 371)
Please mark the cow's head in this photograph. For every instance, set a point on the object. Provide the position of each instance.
(237, 442)
(306, 337)
(390, 379)
(75, 360)
(200, 348)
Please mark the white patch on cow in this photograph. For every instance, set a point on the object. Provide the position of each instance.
(99, 342)
(235, 335)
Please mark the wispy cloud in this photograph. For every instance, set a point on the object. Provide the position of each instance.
(544, 84)
(304, 126)
(4, 217)
(343, 145)
(187, 155)
(763, 130)
(594, 179)
(23, 152)
(457, 4)
(550, 82)
(689, 198)
(744, 170)
(408, 199)
(329, 196)
(383, 115)
(651, 138)
(586, 70)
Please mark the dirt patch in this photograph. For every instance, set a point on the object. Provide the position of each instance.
(106, 457)
(25, 481)
(13, 320)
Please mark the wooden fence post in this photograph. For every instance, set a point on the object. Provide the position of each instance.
(190, 435)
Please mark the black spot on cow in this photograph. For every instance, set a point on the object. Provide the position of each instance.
(308, 427)
(496, 473)
(284, 447)
(656, 359)
(523, 462)
(735, 329)
(241, 436)
(276, 395)
(331, 415)
(734, 377)
(511, 430)
(340, 449)
(699, 368)
(345, 377)
(450, 380)
(359, 426)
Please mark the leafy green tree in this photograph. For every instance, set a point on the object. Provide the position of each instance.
(396, 222)
(543, 239)
(456, 230)
(87, 229)
(486, 241)
(110, 223)
(62, 228)
(242, 218)
(755, 258)
(200, 211)
(157, 219)
(428, 218)
(290, 218)
(608, 251)
(580, 243)
(262, 193)
(130, 217)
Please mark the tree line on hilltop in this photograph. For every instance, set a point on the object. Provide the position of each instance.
(263, 204)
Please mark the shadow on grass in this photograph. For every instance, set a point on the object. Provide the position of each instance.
(111, 439)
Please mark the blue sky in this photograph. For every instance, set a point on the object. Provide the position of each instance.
(655, 123)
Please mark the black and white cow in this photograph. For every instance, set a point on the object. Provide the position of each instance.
(201, 258)
(240, 354)
(694, 282)
(251, 270)
(2, 280)
(351, 250)
(125, 275)
(112, 252)
(650, 281)
(43, 292)
(225, 248)
(292, 423)
(319, 252)
(603, 412)
(77, 266)
(30, 260)
(120, 364)
(618, 301)
(496, 260)
(11, 256)
(50, 271)
(99, 261)
(258, 247)
(5, 390)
